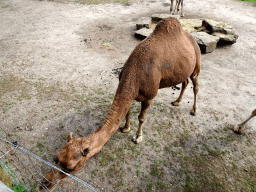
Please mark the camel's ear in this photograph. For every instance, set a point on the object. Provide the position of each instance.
(70, 137)
(86, 151)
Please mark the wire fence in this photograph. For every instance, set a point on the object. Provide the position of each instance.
(25, 169)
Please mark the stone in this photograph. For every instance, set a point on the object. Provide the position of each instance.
(159, 17)
(143, 33)
(206, 42)
(214, 26)
(225, 32)
(191, 25)
(144, 22)
(225, 38)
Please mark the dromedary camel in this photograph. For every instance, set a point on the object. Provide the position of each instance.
(240, 127)
(177, 7)
(169, 56)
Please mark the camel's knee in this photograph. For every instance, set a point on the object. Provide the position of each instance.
(141, 119)
(196, 89)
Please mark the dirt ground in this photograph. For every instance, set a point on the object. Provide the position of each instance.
(58, 75)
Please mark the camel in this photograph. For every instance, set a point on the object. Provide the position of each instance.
(169, 56)
(240, 127)
(178, 3)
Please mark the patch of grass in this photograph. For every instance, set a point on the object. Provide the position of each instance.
(253, 1)
(156, 169)
(120, 183)
(8, 106)
(168, 149)
(150, 187)
(183, 136)
(18, 188)
(106, 158)
(160, 186)
(207, 173)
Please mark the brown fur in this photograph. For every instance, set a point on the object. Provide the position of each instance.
(169, 56)
(240, 127)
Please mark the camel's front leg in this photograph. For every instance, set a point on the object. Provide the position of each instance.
(126, 127)
(182, 14)
(195, 89)
(176, 9)
(171, 8)
(144, 106)
(240, 127)
(184, 85)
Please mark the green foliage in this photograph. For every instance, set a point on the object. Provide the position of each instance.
(18, 188)
(253, 1)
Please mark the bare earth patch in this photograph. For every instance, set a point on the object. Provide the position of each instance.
(58, 75)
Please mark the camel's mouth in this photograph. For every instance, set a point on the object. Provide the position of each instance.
(66, 170)
(46, 185)
(51, 180)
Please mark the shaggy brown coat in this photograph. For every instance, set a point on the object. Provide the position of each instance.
(169, 56)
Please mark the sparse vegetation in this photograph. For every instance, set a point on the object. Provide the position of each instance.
(178, 152)
(253, 1)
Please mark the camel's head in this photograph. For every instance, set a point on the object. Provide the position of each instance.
(70, 159)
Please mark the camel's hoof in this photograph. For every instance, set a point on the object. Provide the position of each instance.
(137, 139)
(238, 130)
(193, 112)
(125, 130)
(175, 103)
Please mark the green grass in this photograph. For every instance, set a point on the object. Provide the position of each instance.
(18, 188)
(253, 1)
(207, 163)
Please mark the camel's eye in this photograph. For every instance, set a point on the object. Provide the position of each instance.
(86, 151)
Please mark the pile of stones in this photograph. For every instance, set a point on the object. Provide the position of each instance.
(208, 33)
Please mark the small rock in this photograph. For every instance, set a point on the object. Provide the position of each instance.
(144, 22)
(225, 32)
(225, 38)
(214, 26)
(206, 42)
(191, 25)
(143, 33)
(159, 17)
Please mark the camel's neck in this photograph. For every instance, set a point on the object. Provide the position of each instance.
(124, 97)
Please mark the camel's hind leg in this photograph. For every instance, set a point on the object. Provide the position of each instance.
(240, 127)
(177, 7)
(144, 106)
(171, 8)
(195, 89)
(182, 14)
(184, 85)
(126, 127)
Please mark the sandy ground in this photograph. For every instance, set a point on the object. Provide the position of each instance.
(57, 61)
